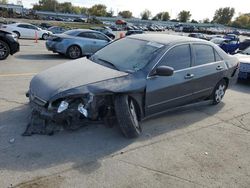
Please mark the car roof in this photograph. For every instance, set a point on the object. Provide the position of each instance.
(165, 38)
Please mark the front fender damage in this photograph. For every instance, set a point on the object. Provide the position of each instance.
(45, 120)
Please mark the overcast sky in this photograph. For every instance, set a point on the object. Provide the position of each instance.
(199, 9)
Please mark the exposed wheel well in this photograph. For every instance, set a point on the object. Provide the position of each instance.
(227, 80)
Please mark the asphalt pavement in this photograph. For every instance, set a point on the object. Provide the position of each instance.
(196, 146)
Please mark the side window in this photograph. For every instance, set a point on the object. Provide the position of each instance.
(178, 57)
(87, 35)
(204, 54)
(32, 27)
(22, 26)
(100, 36)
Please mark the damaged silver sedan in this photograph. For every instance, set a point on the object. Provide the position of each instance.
(129, 80)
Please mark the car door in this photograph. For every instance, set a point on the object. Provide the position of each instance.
(33, 31)
(100, 42)
(22, 29)
(208, 69)
(163, 92)
(87, 42)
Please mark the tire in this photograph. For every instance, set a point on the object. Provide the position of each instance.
(45, 36)
(74, 52)
(127, 116)
(4, 50)
(17, 33)
(219, 91)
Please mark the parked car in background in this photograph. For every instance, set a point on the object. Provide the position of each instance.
(8, 44)
(133, 32)
(56, 30)
(244, 58)
(231, 37)
(245, 44)
(107, 31)
(228, 45)
(131, 79)
(198, 36)
(25, 30)
(77, 43)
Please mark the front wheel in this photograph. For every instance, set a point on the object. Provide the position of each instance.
(219, 92)
(4, 50)
(127, 116)
(45, 36)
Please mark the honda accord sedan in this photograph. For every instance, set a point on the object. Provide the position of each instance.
(131, 79)
(77, 43)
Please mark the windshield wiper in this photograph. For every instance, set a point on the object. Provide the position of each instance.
(109, 63)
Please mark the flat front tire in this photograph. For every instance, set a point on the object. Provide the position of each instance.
(127, 116)
(219, 91)
(4, 50)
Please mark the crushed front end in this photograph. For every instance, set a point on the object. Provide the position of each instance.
(67, 113)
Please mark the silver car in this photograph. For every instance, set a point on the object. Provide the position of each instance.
(77, 43)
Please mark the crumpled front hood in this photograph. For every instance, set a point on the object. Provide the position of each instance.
(70, 75)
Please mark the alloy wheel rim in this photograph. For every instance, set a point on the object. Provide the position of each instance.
(3, 50)
(134, 115)
(74, 52)
(219, 93)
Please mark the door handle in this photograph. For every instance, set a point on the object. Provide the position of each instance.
(219, 68)
(189, 76)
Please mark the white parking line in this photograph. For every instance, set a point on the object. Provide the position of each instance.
(17, 74)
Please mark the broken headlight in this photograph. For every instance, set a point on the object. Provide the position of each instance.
(63, 106)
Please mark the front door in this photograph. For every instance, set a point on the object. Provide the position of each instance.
(164, 92)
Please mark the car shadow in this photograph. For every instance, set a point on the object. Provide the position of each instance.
(84, 148)
(41, 57)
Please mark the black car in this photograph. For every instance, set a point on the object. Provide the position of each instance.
(8, 44)
(245, 44)
(131, 79)
(133, 32)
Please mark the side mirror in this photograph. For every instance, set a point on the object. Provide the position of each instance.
(164, 71)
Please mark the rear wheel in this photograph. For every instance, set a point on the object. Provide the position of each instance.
(74, 52)
(4, 50)
(219, 91)
(127, 116)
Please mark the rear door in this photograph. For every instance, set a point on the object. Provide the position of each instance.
(165, 92)
(208, 69)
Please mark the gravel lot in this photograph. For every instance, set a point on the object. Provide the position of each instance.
(196, 146)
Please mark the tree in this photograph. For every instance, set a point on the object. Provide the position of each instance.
(98, 10)
(194, 21)
(206, 20)
(242, 21)
(46, 5)
(125, 14)
(110, 13)
(223, 15)
(184, 16)
(3, 1)
(165, 16)
(145, 15)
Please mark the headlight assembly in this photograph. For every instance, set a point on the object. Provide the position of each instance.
(63, 106)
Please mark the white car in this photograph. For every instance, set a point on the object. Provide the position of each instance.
(25, 30)
(244, 58)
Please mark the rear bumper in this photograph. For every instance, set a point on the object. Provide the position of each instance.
(55, 47)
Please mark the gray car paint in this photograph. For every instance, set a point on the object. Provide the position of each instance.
(70, 75)
(161, 92)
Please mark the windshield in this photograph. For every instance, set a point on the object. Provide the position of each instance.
(128, 54)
